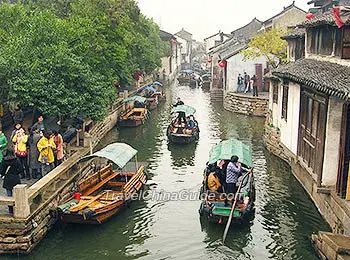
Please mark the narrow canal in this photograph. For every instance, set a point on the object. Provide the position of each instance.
(150, 229)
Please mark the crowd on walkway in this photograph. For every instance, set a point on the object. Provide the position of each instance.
(246, 83)
(28, 154)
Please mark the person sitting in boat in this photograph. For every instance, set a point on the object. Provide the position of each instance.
(233, 172)
(189, 126)
(179, 102)
(214, 182)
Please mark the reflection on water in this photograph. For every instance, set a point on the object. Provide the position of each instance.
(153, 229)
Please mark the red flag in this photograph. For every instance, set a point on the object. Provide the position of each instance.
(336, 15)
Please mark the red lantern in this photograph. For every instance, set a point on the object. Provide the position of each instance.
(209, 60)
(309, 16)
(222, 64)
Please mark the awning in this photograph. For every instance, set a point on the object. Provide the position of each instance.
(188, 110)
(118, 153)
(135, 98)
(226, 149)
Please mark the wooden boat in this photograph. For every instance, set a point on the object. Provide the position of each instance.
(215, 207)
(135, 116)
(175, 130)
(105, 192)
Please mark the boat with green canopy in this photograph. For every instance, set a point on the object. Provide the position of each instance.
(183, 128)
(216, 205)
(102, 194)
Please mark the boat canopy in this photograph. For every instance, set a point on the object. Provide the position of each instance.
(118, 153)
(188, 110)
(226, 149)
(135, 98)
(157, 83)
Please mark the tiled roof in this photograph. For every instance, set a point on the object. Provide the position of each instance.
(285, 9)
(324, 76)
(295, 33)
(247, 31)
(320, 18)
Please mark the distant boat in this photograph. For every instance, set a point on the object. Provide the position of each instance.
(104, 193)
(214, 206)
(176, 131)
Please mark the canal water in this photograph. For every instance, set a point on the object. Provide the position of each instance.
(156, 228)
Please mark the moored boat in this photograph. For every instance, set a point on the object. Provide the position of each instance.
(104, 193)
(216, 206)
(135, 116)
(183, 128)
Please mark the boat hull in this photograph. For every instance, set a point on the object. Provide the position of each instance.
(182, 139)
(130, 123)
(239, 216)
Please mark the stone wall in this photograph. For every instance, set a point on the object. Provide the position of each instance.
(247, 105)
(333, 209)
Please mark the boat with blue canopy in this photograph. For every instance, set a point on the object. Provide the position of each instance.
(136, 114)
(216, 205)
(106, 191)
(183, 128)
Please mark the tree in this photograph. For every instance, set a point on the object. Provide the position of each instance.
(62, 56)
(270, 45)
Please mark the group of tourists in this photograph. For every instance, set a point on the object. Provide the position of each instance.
(246, 83)
(223, 175)
(28, 155)
(181, 123)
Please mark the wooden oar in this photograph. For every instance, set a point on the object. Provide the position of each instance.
(85, 204)
(100, 184)
(233, 206)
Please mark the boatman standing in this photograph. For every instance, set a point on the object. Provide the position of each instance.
(233, 172)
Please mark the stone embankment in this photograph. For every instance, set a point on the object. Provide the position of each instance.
(247, 105)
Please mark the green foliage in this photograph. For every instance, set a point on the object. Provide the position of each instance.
(62, 56)
(270, 45)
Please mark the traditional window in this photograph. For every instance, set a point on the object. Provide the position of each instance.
(299, 48)
(346, 43)
(275, 92)
(312, 130)
(285, 101)
(322, 38)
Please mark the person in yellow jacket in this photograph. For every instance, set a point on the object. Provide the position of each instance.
(46, 146)
(20, 140)
(213, 182)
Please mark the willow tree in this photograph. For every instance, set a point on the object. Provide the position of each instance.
(268, 44)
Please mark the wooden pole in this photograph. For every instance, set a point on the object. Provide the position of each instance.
(233, 207)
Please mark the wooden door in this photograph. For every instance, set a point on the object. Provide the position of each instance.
(344, 153)
(312, 131)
